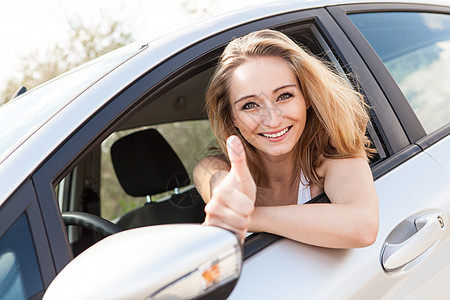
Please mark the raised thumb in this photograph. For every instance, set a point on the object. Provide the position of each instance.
(236, 155)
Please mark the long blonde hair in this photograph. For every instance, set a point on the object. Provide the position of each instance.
(336, 120)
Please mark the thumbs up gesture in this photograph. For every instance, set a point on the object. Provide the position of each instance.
(232, 200)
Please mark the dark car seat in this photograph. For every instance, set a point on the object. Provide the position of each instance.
(146, 165)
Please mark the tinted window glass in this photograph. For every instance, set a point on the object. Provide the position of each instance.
(415, 47)
(19, 271)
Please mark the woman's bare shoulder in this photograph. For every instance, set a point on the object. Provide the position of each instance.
(348, 180)
(207, 168)
(209, 165)
(341, 165)
(215, 162)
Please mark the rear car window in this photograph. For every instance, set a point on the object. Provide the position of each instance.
(20, 277)
(415, 48)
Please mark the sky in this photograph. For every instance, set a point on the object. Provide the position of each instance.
(28, 26)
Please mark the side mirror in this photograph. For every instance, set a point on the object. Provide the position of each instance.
(182, 261)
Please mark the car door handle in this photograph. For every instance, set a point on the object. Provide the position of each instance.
(429, 228)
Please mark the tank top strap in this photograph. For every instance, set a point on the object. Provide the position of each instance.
(304, 193)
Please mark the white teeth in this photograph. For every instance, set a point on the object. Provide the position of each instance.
(276, 134)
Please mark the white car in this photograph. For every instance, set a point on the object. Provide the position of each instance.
(110, 147)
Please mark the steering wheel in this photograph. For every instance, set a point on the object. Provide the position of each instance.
(91, 222)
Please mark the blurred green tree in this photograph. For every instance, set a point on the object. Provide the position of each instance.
(84, 43)
(199, 9)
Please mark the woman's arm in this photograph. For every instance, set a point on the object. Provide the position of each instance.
(350, 221)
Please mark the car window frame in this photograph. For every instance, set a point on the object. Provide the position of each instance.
(411, 124)
(164, 76)
(24, 201)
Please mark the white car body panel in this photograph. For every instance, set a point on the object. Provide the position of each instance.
(440, 153)
(307, 272)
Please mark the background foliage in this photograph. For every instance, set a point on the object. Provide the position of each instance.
(83, 44)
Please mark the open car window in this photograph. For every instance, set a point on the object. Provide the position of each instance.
(190, 140)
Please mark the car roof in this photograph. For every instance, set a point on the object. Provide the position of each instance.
(267, 9)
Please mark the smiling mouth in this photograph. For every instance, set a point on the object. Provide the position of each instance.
(276, 135)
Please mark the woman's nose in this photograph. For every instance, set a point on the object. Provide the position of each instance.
(271, 115)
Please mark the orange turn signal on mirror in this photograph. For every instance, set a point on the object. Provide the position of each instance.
(210, 275)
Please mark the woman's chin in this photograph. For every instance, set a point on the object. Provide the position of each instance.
(275, 151)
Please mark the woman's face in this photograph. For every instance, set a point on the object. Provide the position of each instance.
(267, 105)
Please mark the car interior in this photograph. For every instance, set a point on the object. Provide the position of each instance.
(141, 174)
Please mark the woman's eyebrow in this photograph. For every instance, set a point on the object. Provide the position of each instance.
(274, 91)
(284, 86)
(243, 98)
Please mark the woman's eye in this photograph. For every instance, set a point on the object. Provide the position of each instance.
(284, 96)
(249, 105)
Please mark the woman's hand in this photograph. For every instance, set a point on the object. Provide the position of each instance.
(232, 200)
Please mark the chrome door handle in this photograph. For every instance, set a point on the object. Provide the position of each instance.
(428, 230)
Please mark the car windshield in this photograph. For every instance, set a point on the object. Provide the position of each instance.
(21, 117)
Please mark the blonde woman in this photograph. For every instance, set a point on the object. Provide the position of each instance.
(289, 129)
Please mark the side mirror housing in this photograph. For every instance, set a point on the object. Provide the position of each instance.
(182, 261)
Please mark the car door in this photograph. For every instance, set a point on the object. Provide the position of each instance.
(409, 258)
